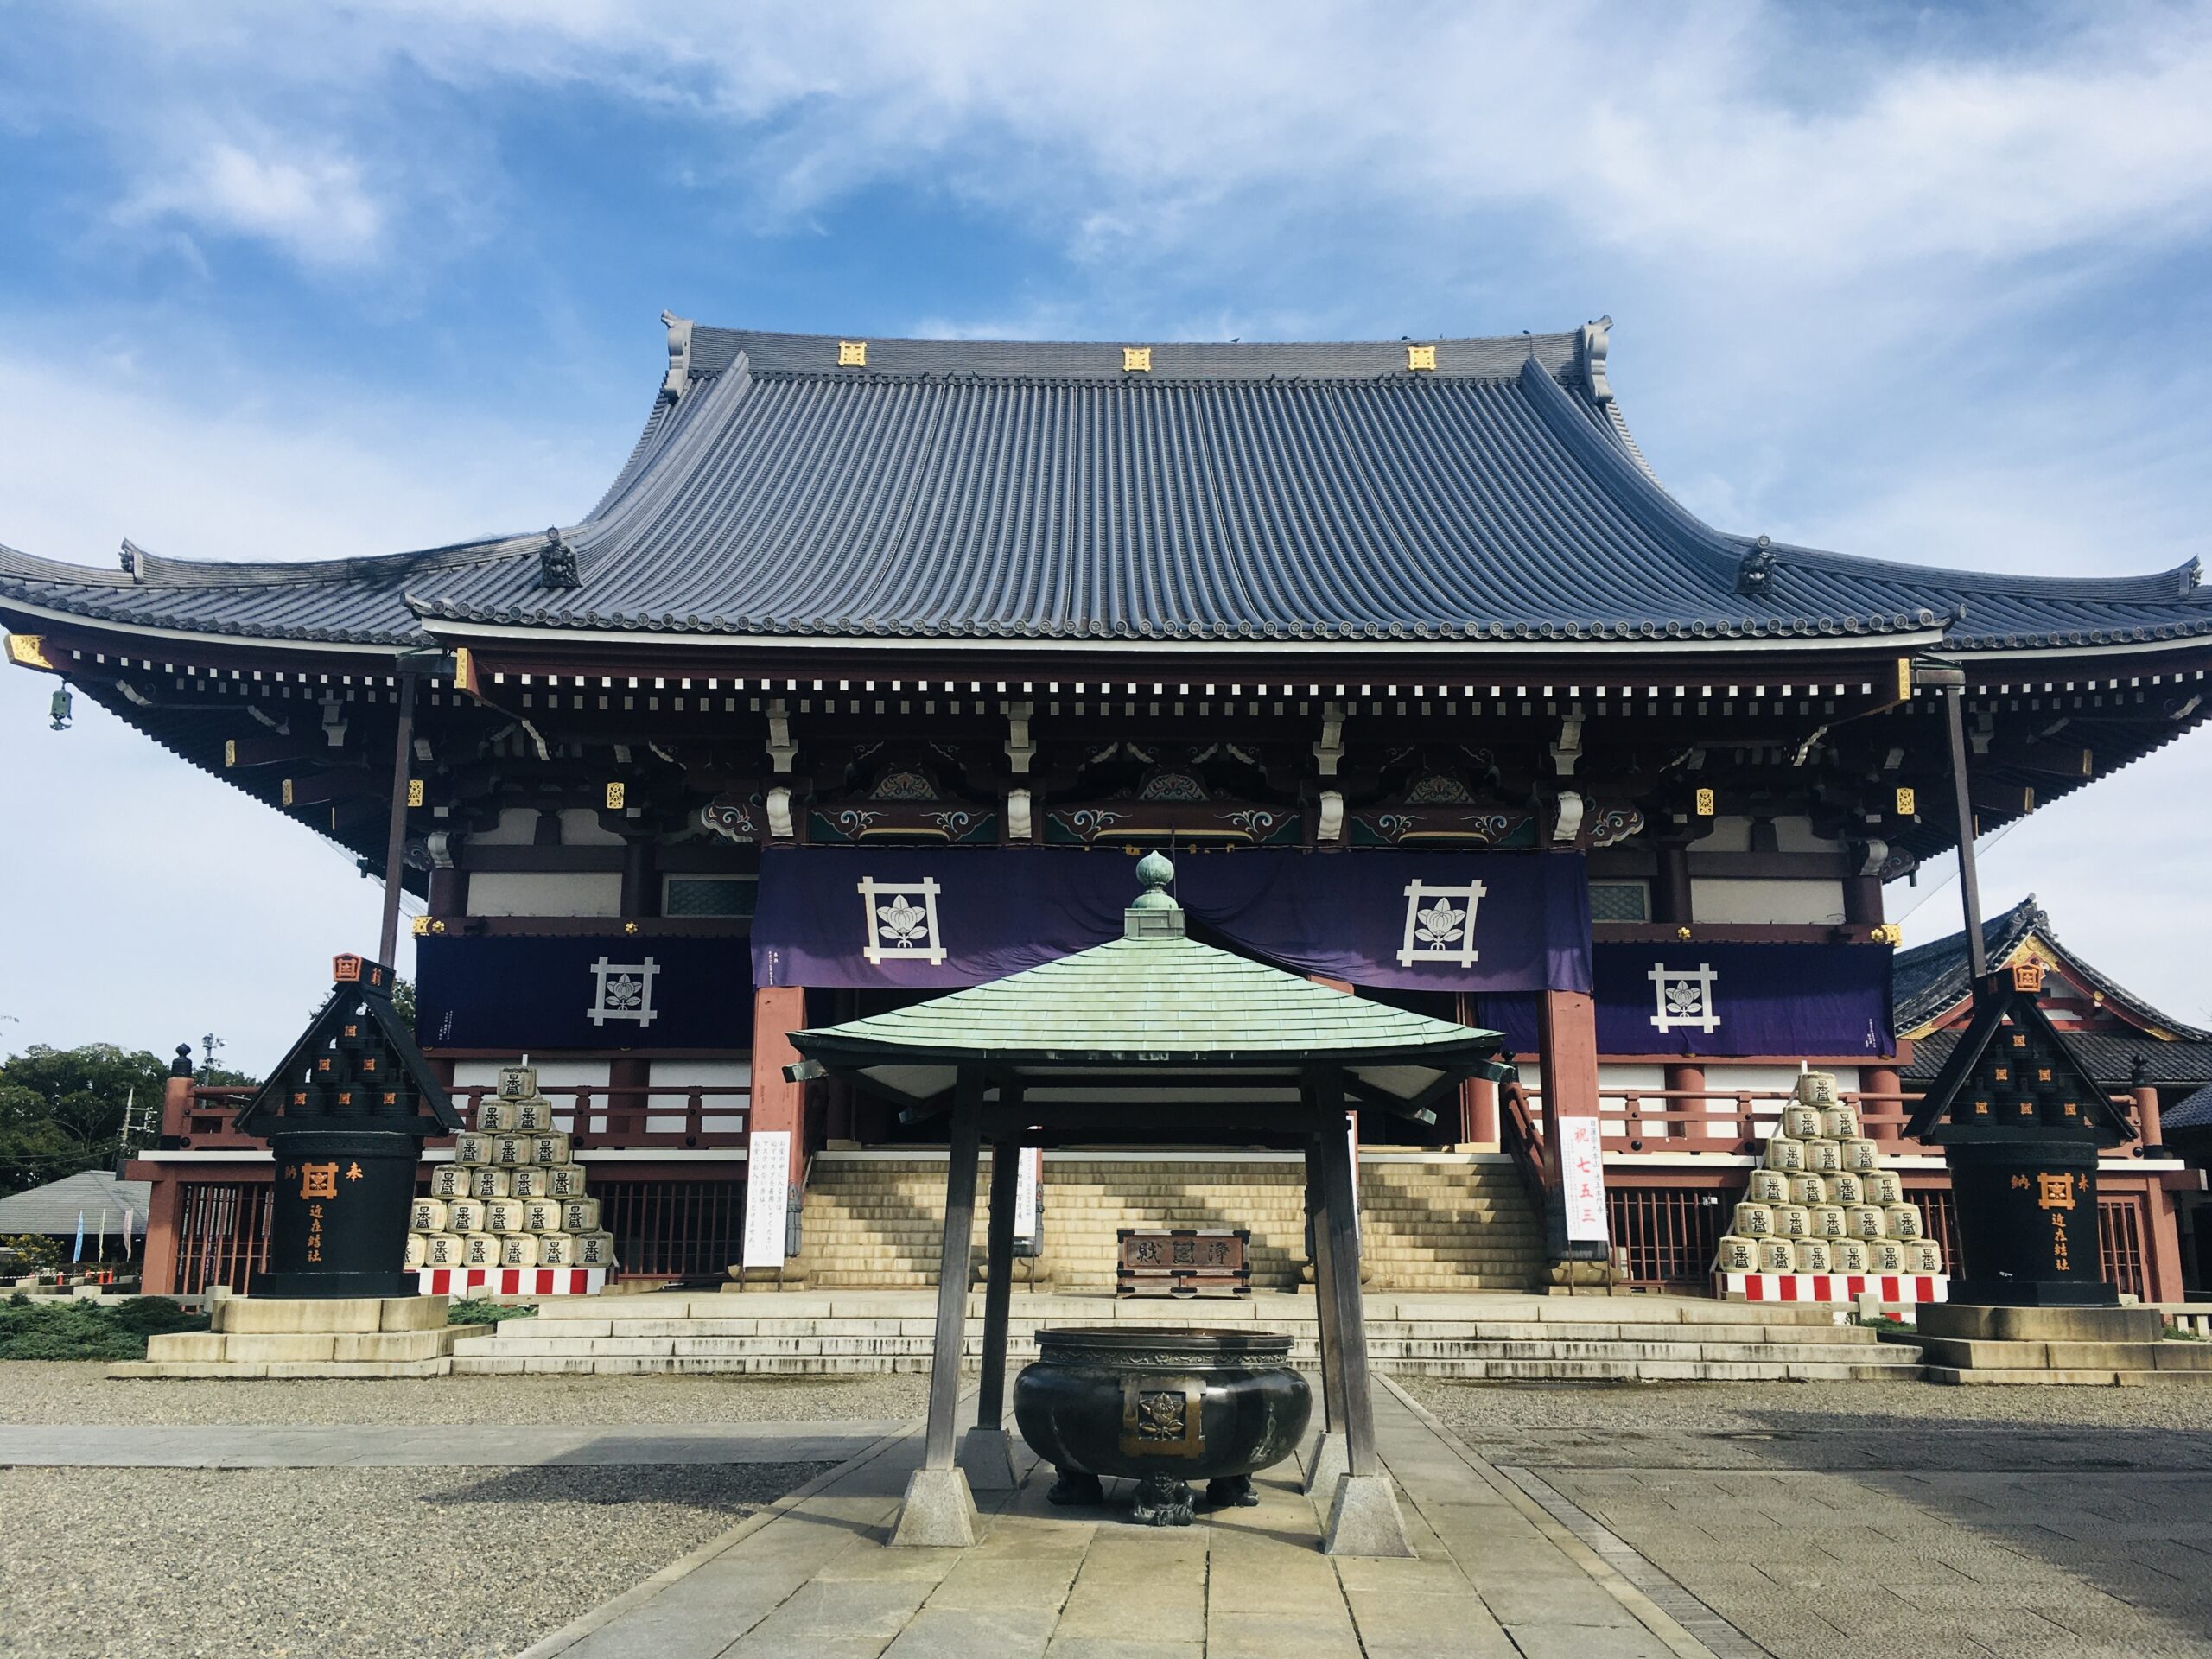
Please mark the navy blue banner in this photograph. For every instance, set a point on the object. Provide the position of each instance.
(941, 919)
(1728, 1000)
(561, 991)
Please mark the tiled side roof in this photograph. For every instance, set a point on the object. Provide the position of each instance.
(2110, 1057)
(1931, 977)
(2194, 1112)
(1039, 490)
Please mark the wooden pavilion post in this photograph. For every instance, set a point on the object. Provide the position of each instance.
(940, 1508)
(1364, 1516)
(985, 1454)
(1328, 1465)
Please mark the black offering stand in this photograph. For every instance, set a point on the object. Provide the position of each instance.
(346, 1115)
(2020, 1121)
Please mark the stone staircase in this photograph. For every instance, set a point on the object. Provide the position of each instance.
(1492, 1339)
(1444, 1222)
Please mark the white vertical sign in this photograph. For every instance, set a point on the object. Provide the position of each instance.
(767, 1195)
(1351, 1142)
(1582, 1171)
(1028, 1182)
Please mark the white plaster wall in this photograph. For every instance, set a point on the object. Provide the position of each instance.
(551, 1074)
(1795, 836)
(546, 893)
(1611, 1079)
(517, 827)
(1720, 899)
(684, 1074)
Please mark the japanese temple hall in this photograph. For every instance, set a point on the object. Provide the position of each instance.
(880, 660)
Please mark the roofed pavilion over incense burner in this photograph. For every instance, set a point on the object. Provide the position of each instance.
(868, 638)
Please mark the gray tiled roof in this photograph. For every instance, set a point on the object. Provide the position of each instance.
(2193, 1112)
(1016, 490)
(2108, 1055)
(54, 1207)
(1929, 978)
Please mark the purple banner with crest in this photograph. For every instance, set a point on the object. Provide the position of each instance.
(930, 920)
(1727, 1001)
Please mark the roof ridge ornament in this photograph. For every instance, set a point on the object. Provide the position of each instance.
(556, 563)
(1594, 341)
(133, 560)
(1755, 573)
(1153, 914)
(679, 356)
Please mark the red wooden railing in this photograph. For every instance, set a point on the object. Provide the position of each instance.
(666, 1115)
(1727, 1121)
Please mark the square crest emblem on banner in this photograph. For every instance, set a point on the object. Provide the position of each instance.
(1682, 998)
(901, 921)
(623, 991)
(1441, 924)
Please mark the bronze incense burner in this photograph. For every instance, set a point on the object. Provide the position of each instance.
(1164, 1406)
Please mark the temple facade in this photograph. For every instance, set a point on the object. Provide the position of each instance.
(878, 658)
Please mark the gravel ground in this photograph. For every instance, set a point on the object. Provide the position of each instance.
(66, 1391)
(176, 1564)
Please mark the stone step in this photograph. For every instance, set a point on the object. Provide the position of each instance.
(2096, 1378)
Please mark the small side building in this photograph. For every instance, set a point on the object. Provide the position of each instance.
(2130, 1047)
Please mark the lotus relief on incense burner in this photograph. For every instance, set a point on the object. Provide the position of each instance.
(1166, 1407)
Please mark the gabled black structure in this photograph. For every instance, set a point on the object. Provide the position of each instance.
(2020, 1120)
(2012, 1078)
(346, 1115)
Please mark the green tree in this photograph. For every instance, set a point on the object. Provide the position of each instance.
(62, 1108)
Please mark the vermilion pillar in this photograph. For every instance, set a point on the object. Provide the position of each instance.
(1567, 1040)
(158, 1260)
(778, 1103)
(2146, 1115)
(1684, 1080)
(1880, 1081)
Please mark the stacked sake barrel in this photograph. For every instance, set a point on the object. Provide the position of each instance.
(1823, 1203)
(513, 1196)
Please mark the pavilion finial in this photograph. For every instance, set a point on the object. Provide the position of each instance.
(1153, 914)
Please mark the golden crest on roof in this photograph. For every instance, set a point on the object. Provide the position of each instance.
(852, 353)
(1136, 359)
(1421, 357)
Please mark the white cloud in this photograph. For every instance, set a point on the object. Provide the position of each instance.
(1721, 135)
(315, 206)
(165, 904)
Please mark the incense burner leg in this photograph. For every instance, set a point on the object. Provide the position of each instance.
(1074, 1486)
(1162, 1501)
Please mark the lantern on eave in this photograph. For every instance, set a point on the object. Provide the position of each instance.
(346, 1115)
(2021, 1120)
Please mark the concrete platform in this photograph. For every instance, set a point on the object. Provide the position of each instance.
(1496, 1337)
(1494, 1574)
(1968, 1345)
(328, 1337)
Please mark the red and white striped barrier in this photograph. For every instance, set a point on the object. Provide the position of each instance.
(511, 1282)
(1898, 1288)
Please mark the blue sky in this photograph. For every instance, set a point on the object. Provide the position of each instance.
(281, 280)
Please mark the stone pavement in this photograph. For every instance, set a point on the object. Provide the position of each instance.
(431, 1445)
(1878, 1533)
(1497, 1575)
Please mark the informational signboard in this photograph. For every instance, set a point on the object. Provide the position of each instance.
(767, 1195)
(1028, 1202)
(1583, 1172)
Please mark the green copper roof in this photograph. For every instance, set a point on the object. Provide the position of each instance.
(1159, 998)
